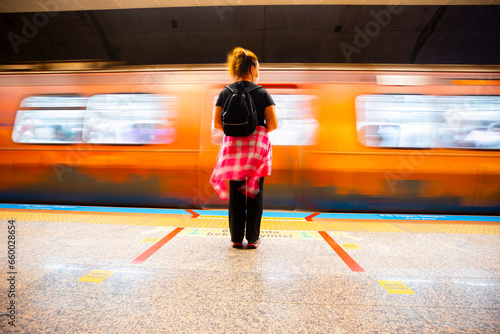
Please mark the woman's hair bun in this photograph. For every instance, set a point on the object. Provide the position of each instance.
(240, 61)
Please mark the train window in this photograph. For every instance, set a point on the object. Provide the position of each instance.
(131, 119)
(50, 119)
(424, 121)
(296, 122)
(469, 121)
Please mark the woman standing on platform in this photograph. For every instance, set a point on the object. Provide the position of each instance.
(245, 160)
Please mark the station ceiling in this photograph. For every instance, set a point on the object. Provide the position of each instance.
(71, 5)
(364, 31)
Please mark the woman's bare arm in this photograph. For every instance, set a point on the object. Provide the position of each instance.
(271, 119)
(217, 120)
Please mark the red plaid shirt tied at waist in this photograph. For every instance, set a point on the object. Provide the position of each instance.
(243, 158)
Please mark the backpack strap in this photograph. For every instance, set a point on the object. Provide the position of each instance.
(232, 90)
(246, 90)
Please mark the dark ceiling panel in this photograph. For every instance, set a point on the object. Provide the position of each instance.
(470, 18)
(198, 19)
(305, 17)
(282, 34)
(407, 18)
(141, 21)
(300, 46)
(179, 48)
(389, 47)
(461, 48)
(67, 35)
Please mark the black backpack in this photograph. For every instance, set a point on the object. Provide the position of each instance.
(239, 116)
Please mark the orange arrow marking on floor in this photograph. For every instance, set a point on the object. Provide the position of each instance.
(341, 252)
(194, 214)
(151, 250)
(310, 217)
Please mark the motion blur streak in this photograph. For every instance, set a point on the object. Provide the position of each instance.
(351, 138)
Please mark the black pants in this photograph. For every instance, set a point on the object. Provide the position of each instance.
(243, 208)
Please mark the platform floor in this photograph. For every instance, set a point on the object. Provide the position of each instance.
(78, 271)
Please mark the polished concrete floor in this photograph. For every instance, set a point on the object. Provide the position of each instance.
(78, 277)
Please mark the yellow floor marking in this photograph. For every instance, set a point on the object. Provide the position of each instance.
(287, 224)
(207, 223)
(96, 276)
(350, 246)
(487, 229)
(380, 227)
(467, 229)
(150, 240)
(341, 226)
(417, 228)
(166, 221)
(396, 287)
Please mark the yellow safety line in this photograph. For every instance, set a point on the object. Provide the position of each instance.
(267, 224)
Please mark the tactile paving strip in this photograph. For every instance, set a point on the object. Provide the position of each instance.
(267, 224)
(342, 226)
(417, 228)
(467, 229)
(380, 227)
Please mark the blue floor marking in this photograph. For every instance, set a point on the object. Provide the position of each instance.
(93, 209)
(387, 216)
(271, 214)
(211, 212)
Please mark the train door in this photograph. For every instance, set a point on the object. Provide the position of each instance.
(297, 128)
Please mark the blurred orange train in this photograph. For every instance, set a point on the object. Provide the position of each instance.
(350, 138)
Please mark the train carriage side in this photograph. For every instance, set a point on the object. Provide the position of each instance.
(124, 138)
(357, 139)
(405, 141)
